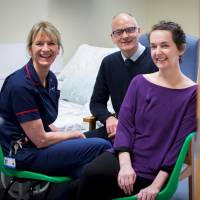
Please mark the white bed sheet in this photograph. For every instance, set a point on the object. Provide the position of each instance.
(70, 116)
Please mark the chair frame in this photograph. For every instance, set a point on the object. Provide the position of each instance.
(91, 120)
(22, 176)
(188, 170)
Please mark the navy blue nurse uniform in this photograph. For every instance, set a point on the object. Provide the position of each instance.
(23, 99)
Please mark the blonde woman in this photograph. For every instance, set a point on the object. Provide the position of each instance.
(28, 107)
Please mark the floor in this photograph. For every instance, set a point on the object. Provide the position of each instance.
(181, 193)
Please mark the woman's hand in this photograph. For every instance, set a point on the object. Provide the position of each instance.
(148, 193)
(126, 178)
(75, 134)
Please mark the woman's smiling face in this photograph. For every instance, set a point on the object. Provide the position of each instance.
(164, 51)
(43, 50)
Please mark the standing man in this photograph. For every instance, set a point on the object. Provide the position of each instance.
(116, 72)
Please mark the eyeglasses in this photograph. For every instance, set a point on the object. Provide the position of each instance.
(129, 30)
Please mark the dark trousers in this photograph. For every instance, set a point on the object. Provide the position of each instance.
(99, 180)
(98, 133)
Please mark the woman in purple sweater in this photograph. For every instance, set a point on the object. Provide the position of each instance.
(157, 114)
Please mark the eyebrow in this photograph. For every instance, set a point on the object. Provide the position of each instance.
(164, 42)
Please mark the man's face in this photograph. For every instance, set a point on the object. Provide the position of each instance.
(125, 34)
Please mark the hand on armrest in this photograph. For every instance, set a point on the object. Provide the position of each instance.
(92, 121)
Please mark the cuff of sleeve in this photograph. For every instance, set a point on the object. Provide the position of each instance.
(104, 118)
(167, 169)
(122, 149)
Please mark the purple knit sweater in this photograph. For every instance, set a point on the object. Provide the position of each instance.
(153, 123)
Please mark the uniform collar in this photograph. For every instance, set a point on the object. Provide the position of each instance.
(32, 74)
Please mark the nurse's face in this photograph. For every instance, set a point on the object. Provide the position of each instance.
(43, 51)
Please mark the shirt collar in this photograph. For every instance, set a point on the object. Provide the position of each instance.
(32, 74)
(137, 54)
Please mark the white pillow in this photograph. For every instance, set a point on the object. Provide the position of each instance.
(70, 116)
(78, 76)
(58, 64)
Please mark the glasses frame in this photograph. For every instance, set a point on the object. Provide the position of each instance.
(128, 30)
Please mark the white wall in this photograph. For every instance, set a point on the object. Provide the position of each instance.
(17, 18)
(185, 12)
(88, 21)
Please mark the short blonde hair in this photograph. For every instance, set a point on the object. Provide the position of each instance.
(44, 27)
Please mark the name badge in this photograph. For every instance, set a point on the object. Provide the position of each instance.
(9, 162)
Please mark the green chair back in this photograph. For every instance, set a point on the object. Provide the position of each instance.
(1, 160)
(28, 174)
(170, 188)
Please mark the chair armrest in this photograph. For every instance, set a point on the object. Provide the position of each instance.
(188, 169)
(92, 122)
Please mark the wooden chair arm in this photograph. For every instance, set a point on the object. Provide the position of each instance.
(89, 119)
(188, 170)
(92, 122)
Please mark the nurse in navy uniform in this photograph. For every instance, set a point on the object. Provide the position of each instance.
(29, 106)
